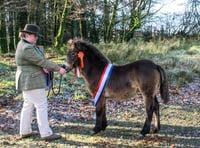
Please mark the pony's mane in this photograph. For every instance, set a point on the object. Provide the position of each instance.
(95, 51)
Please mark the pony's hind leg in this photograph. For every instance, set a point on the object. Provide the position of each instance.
(156, 115)
(149, 111)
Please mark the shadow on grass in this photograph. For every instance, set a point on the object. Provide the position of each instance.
(182, 136)
(72, 131)
(77, 133)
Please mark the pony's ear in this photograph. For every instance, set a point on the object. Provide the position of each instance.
(70, 42)
(78, 44)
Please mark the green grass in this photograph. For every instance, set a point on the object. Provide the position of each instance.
(7, 76)
(179, 57)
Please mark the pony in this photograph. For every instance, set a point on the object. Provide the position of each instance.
(125, 80)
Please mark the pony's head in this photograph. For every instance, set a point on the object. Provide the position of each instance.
(82, 54)
(74, 55)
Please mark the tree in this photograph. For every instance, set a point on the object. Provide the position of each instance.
(58, 38)
(95, 20)
(140, 10)
(111, 22)
(93, 24)
(191, 19)
(3, 41)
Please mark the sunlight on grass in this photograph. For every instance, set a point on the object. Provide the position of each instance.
(99, 139)
(6, 84)
(114, 135)
(195, 47)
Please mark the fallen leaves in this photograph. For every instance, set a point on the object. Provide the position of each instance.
(156, 140)
(63, 109)
(189, 94)
(2, 110)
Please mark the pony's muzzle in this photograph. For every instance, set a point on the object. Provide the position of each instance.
(67, 66)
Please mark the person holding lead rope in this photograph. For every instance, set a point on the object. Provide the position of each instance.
(31, 81)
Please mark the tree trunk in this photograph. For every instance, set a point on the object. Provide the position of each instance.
(3, 41)
(106, 19)
(7, 25)
(112, 22)
(93, 31)
(55, 18)
(140, 9)
(81, 28)
(58, 39)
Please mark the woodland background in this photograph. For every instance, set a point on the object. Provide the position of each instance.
(125, 31)
(95, 20)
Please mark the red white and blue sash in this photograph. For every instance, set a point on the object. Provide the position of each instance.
(102, 83)
(45, 71)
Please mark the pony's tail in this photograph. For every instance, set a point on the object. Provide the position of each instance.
(164, 90)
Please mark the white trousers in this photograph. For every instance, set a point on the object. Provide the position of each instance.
(35, 98)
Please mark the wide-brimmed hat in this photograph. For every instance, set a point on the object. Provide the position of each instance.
(32, 29)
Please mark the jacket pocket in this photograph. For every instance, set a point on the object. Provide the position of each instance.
(36, 74)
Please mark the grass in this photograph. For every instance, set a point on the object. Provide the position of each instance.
(181, 60)
(178, 128)
(179, 57)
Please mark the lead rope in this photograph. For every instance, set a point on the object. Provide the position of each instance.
(51, 86)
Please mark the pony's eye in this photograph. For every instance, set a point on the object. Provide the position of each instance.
(73, 54)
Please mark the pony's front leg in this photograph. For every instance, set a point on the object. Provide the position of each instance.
(101, 121)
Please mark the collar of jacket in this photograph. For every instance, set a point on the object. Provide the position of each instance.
(26, 41)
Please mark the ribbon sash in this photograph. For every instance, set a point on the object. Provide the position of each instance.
(45, 71)
(77, 72)
(102, 83)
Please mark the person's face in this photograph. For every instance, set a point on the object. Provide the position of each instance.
(32, 38)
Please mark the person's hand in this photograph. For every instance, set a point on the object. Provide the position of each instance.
(62, 71)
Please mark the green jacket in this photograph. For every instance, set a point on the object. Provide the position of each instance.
(29, 60)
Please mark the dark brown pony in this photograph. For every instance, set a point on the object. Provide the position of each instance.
(124, 82)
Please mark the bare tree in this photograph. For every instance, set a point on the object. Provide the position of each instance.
(95, 20)
(191, 19)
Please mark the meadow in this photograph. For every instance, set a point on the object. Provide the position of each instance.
(71, 113)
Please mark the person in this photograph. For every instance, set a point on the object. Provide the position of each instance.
(31, 81)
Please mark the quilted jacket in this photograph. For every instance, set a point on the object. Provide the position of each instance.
(29, 60)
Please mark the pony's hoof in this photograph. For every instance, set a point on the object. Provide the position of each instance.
(92, 133)
(143, 133)
(140, 137)
(155, 131)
